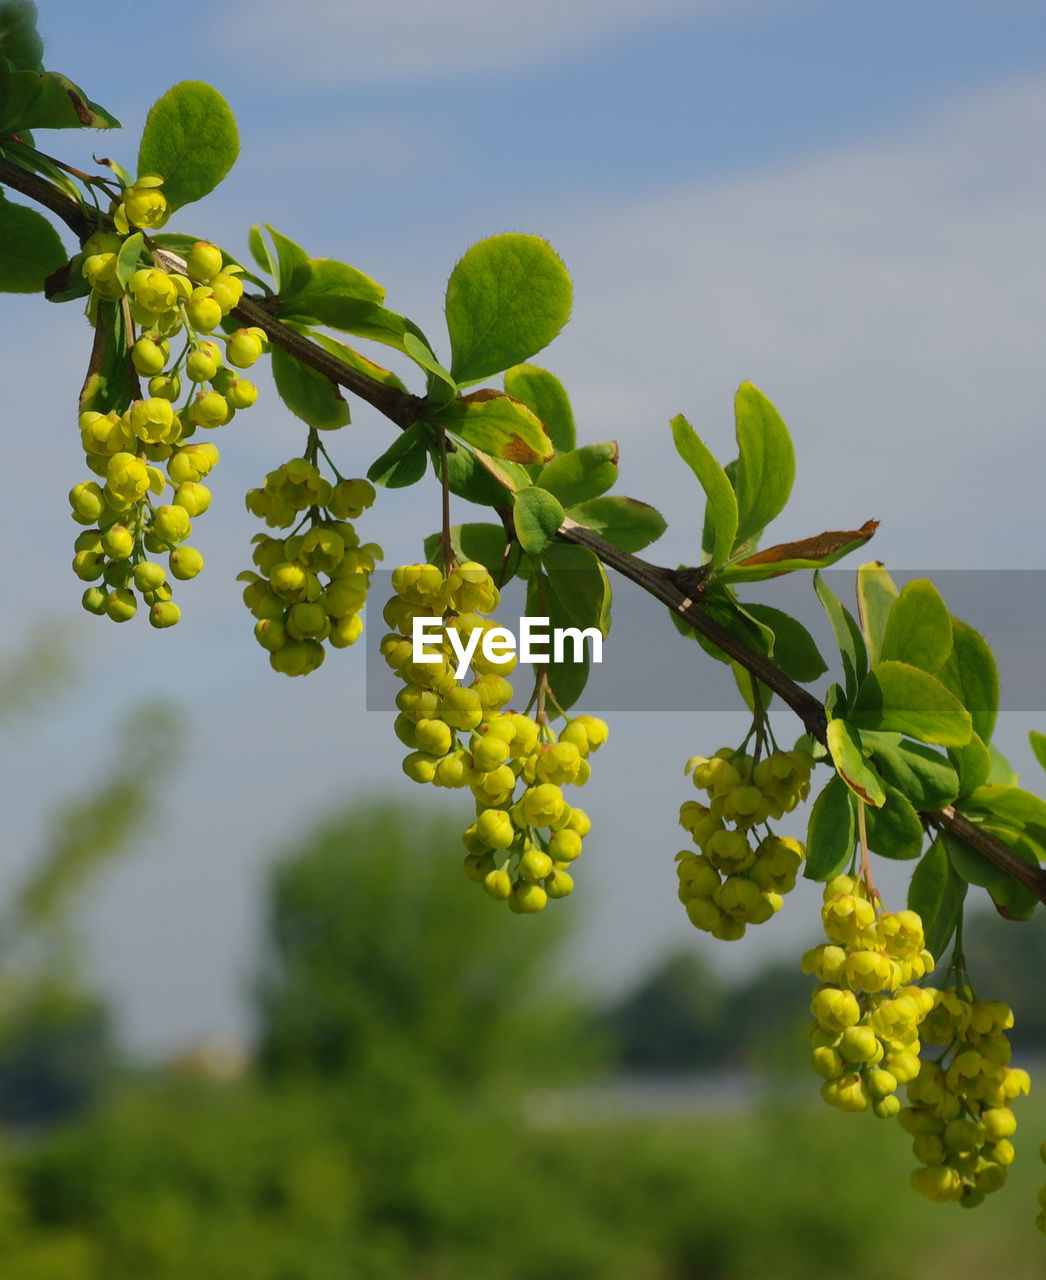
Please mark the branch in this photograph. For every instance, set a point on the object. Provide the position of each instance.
(398, 406)
(43, 192)
(1032, 878)
(663, 584)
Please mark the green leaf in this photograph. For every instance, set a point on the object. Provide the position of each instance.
(721, 511)
(571, 590)
(259, 251)
(793, 648)
(537, 517)
(844, 742)
(484, 543)
(972, 762)
(320, 282)
(546, 397)
(1001, 770)
(1038, 746)
(894, 829)
(190, 138)
(498, 425)
(577, 584)
(20, 42)
(835, 702)
(46, 100)
(626, 522)
(360, 318)
(30, 249)
(876, 594)
(847, 636)
(1013, 900)
(354, 360)
(971, 674)
(307, 393)
(937, 893)
(478, 478)
(404, 462)
(288, 264)
(723, 609)
(831, 833)
(128, 260)
(580, 474)
(441, 386)
(506, 299)
(972, 866)
(900, 698)
(918, 628)
(766, 462)
(925, 776)
(1009, 804)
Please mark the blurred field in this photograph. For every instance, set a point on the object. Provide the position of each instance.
(427, 1099)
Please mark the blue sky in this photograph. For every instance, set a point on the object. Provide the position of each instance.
(841, 202)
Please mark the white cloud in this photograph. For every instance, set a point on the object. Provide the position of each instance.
(889, 298)
(331, 41)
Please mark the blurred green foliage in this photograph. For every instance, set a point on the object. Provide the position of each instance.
(422, 1110)
(379, 954)
(57, 1053)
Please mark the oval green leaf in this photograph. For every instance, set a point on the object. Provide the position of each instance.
(497, 424)
(577, 587)
(546, 397)
(322, 280)
(937, 893)
(30, 249)
(580, 474)
(506, 299)
(899, 698)
(484, 543)
(626, 522)
(918, 628)
(848, 637)
(894, 829)
(765, 464)
(721, 513)
(31, 99)
(793, 647)
(1009, 804)
(972, 762)
(307, 393)
(537, 517)
(190, 139)
(972, 866)
(971, 674)
(404, 462)
(844, 743)
(831, 832)
(926, 777)
(876, 594)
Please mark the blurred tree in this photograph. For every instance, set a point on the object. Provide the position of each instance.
(377, 961)
(1008, 962)
(683, 1018)
(674, 1020)
(56, 1046)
